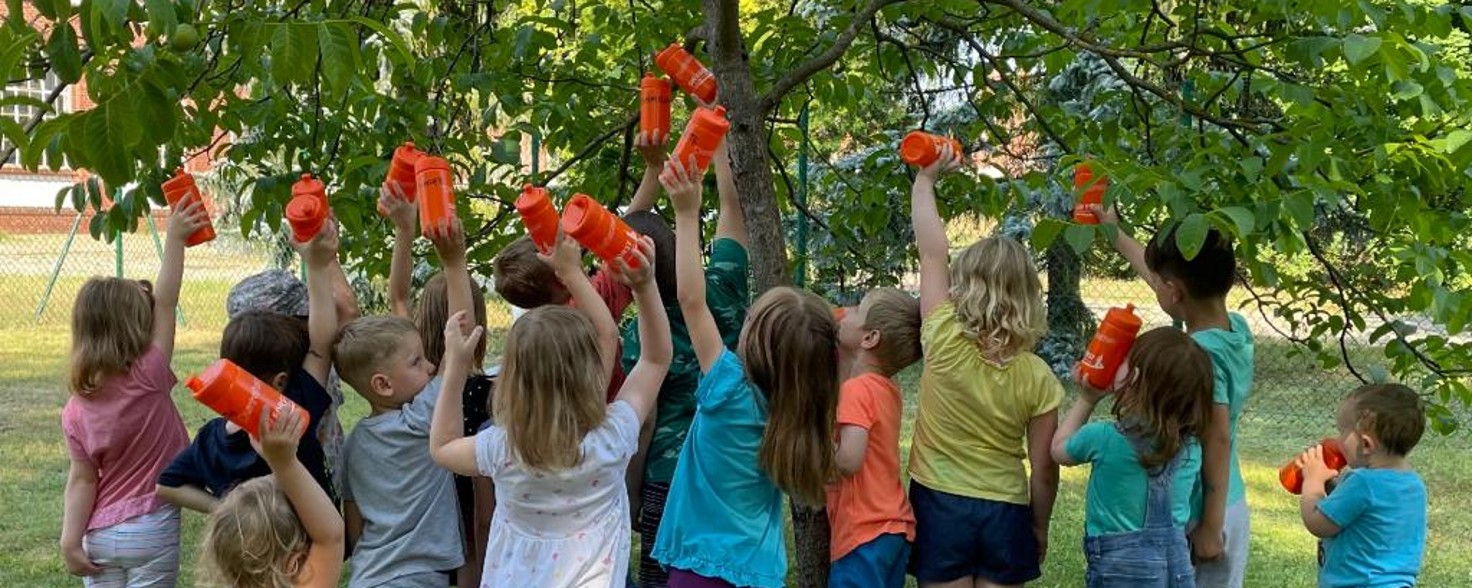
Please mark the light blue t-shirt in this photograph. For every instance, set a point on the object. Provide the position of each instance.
(724, 516)
(1115, 502)
(1382, 530)
(1231, 366)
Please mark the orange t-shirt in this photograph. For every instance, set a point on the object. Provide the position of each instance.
(872, 502)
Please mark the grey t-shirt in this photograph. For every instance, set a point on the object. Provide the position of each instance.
(411, 524)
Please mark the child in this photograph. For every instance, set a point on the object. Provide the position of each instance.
(763, 424)
(277, 530)
(403, 527)
(474, 495)
(1374, 525)
(1195, 291)
(120, 425)
(1146, 465)
(557, 451)
(872, 524)
(985, 403)
(277, 349)
(726, 294)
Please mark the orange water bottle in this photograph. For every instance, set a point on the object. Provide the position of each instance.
(539, 216)
(179, 191)
(702, 136)
(308, 209)
(688, 72)
(1291, 476)
(239, 396)
(654, 106)
(1109, 347)
(1093, 193)
(597, 229)
(401, 171)
(920, 148)
(436, 192)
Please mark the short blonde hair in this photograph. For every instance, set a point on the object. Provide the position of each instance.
(364, 345)
(896, 315)
(254, 539)
(112, 325)
(552, 387)
(998, 297)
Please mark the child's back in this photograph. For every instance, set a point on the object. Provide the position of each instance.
(1383, 532)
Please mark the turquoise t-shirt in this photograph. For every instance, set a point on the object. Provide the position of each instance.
(1115, 502)
(1231, 366)
(724, 516)
(1382, 530)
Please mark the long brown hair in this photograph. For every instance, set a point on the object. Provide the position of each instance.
(1166, 397)
(434, 311)
(550, 393)
(788, 346)
(112, 325)
(254, 539)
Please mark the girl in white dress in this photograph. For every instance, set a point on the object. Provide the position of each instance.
(556, 453)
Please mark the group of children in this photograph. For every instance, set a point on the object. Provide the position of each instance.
(695, 424)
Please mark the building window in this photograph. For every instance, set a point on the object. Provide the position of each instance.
(38, 89)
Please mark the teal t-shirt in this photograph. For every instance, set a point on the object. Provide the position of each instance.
(724, 515)
(1382, 530)
(1231, 366)
(727, 296)
(1115, 502)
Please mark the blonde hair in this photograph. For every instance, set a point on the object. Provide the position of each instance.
(364, 345)
(789, 347)
(254, 539)
(896, 315)
(434, 312)
(998, 297)
(112, 325)
(551, 390)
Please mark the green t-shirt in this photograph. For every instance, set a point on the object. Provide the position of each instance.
(1116, 497)
(727, 295)
(1231, 366)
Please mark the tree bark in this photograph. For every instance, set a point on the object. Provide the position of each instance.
(1069, 321)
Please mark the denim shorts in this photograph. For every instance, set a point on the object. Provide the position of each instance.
(957, 536)
(879, 563)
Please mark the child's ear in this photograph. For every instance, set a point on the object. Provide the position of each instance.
(380, 385)
(279, 381)
(1368, 443)
(871, 340)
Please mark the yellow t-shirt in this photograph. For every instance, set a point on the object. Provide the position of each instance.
(971, 430)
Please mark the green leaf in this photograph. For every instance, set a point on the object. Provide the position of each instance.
(1079, 237)
(1455, 140)
(15, 16)
(339, 47)
(109, 132)
(113, 12)
(1300, 205)
(161, 17)
(1358, 47)
(1241, 217)
(61, 196)
(1252, 168)
(66, 59)
(1406, 90)
(400, 46)
(1046, 232)
(1191, 235)
(293, 53)
(160, 115)
(95, 226)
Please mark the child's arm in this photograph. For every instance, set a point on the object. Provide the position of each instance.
(731, 221)
(1315, 475)
(930, 233)
(449, 448)
(485, 508)
(278, 443)
(183, 221)
(652, 149)
(853, 441)
(566, 261)
(80, 497)
(449, 243)
(1128, 247)
(401, 213)
(1078, 415)
(187, 496)
(684, 190)
(641, 387)
(352, 520)
(1043, 484)
(319, 255)
(1207, 542)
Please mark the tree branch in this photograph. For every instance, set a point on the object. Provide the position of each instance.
(592, 146)
(802, 72)
(40, 115)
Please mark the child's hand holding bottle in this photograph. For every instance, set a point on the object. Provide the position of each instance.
(1316, 470)
(566, 258)
(948, 161)
(185, 220)
(636, 277)
(401, 212)
(321, 251)
(449, 241)
(681, 179)
(280, 433)
(652, 148)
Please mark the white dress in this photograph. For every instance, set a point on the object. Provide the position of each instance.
(567, 528)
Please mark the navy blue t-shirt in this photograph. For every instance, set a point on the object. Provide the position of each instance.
(216, 461)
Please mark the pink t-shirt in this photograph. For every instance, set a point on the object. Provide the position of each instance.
(129, 429)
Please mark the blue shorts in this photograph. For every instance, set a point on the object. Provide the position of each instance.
(957, 537)
(880, 563)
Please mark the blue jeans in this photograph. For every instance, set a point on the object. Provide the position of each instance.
(1156, 556)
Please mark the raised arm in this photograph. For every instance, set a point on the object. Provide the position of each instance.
(183, 221)
(448, 446)
(684, 190)
(731, 221)
(1126, 245)
(1078, 416)
(449, 243)
(930, 233)
(656, 350)
(652, 148)
(319, 255)
(314, 509)
(401, 213)
(567, 262)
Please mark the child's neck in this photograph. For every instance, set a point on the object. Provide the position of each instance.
(1385, 461)
(1201, 315)
(865, 363)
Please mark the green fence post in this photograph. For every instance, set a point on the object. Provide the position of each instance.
(158, 248)
(56, 269)
(117, 236)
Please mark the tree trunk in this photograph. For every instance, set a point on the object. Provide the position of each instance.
(747, 140)
(1069, 321)
(811, 543)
